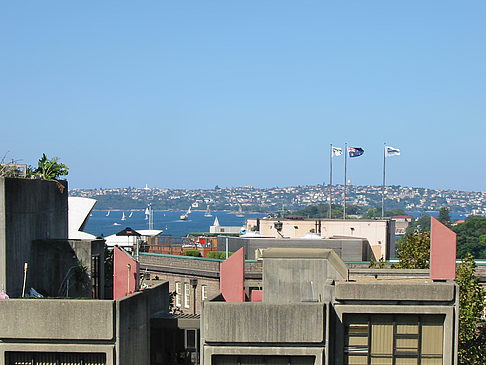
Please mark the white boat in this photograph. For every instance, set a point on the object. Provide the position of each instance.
(147, 213)
(107, 214)
(208, 212)
(130, 215)
(123, 216)
(240, 212)
(183, 217)
(116, 224)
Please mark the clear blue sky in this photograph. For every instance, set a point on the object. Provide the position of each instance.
(190, 94)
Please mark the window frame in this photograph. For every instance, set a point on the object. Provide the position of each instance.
(187, 295)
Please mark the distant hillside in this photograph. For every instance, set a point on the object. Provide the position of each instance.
(291, 198)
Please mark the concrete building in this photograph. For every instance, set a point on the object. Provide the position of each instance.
(349, 249)
(36, 253)
(380, 233)
(311, 312)
(81, 332)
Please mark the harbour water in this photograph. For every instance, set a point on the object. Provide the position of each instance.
(167, 221)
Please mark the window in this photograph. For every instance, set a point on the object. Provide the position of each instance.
(178, 290)
(95, 277)
(204, 292)
(54, 358)
(393, 339)
(187, 295)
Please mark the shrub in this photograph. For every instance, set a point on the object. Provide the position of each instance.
(220, 255)
(194, 253)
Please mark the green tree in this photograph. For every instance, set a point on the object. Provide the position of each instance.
(376, 213)
(421, 224)
(444, 217)
(472, 329)
(51, 169)
(414, 251)
(471, 237)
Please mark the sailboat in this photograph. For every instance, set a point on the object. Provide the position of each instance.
(208, 212)
(147, 213)
(240, 212)
(123, 216)
(183, 217)
(107, 214)
(130, 215)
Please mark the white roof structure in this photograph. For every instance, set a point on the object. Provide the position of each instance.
(251, 234)
(79, 210)
(312, 236)
(129, 241)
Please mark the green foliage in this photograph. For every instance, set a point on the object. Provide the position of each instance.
(444, 217)
(376, 213)
(471, 237)
(322, 211)
(81, 277)
(414, 251)
(472, 329)
(172, 307)
(220, 255)
(108, 266)
(380, 264)
(194, 253)
(50, 169)
(420, 224)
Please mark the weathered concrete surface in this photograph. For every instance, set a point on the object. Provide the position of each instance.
(318, 353)
(292, 275)
(352, 249)
(264, 323)
(395, 290)
(56, 319)
(29, 210)
(107, 349)
(133, 324)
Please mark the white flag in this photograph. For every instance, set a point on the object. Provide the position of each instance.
(336, 151)
(391, 151)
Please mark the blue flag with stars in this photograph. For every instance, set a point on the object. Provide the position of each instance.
(355, 151)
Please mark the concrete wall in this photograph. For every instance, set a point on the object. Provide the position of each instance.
(294, 276)
(120, 329)
(55, 264)
(29, 210)
(348, 249)
(133, 324)
(259, 323)
(56, 319)
(395, 290)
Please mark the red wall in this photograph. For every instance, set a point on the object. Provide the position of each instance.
(232, 279)
(125, 273)
(442, 252)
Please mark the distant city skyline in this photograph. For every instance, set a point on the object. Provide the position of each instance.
(193, 95)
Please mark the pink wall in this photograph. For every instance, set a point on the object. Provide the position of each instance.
(125, 273)
(232, 279)
(442, 252)
(257, 295)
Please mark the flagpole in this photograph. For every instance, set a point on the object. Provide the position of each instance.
(330, 183)
(383, 186)
(345, 171)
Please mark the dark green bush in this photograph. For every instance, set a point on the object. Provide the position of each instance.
(220, 255)
(194, 253)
